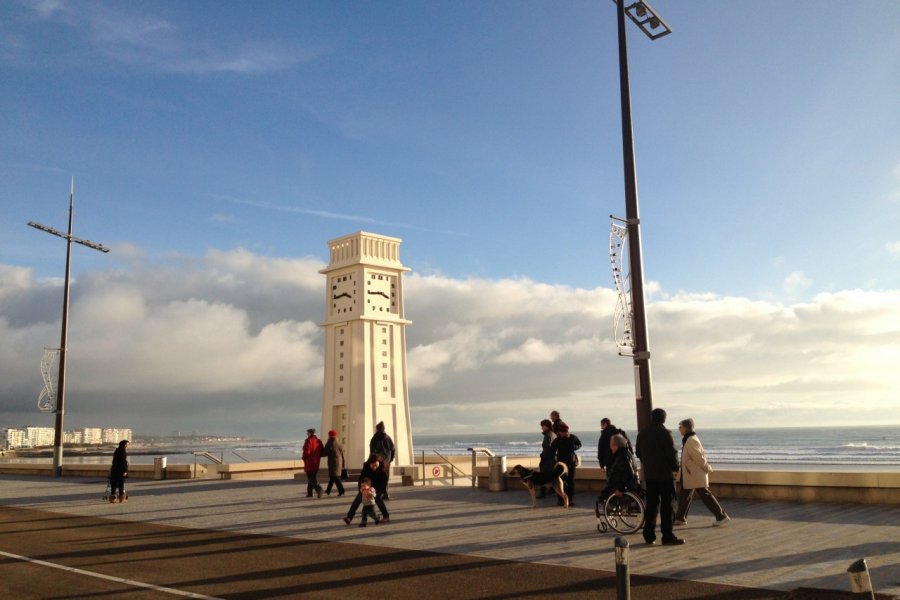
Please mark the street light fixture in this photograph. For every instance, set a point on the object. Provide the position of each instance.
(61, 380)
(654, 27)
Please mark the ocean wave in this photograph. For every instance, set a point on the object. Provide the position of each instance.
(868, 446)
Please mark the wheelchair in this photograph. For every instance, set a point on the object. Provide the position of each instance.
(624, 513)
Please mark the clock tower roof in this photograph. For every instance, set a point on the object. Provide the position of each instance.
(364, 248)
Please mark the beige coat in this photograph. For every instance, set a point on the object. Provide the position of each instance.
(695, 469)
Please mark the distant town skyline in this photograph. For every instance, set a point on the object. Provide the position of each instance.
(216, 148)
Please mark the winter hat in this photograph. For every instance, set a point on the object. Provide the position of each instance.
(332, 433)
(688, 424)
(380, 426)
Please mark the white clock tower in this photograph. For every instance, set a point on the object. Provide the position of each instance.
(365, 346)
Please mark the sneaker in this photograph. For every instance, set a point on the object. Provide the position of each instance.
(722, 522)
(377, 520)
(362, 524)
(347, 520)
(386, 520)
(679, 523)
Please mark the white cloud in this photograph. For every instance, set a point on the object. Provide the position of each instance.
(796, 282)
(893, 249)
(123, 34)
(230, 342)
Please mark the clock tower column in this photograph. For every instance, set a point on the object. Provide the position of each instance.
(365, 346)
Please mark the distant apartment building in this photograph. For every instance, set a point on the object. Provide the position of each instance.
(12, 438)
(32, 437)
(73, 437)
(114, 436)
(92, 435)
(40, 436)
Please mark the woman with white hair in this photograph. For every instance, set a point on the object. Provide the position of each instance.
(694, 477)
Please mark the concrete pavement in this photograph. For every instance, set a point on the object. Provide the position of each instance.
(771, 545)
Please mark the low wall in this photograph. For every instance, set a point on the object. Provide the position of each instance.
(100, 471)
(796, 486)
(269, 469)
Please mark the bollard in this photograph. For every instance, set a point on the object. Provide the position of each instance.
(623, 578)
(860, 582)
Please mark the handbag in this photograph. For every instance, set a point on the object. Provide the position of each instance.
(344, 476)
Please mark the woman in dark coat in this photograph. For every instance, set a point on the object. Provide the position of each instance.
(564, 448)
(335, 453)
(118, 472)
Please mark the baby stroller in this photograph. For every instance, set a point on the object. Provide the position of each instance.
(109, 495)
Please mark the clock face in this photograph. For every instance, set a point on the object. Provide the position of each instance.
(343, 295)
(381, 293)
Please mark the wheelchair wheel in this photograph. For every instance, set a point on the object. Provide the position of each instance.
(624, 513)
(601, 517)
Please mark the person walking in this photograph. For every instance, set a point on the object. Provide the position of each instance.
(118, 472)
(659, 460)
(556, 421)
(312, 456)
(604, 453)
(548, 456)
(368, 495)
(694, 475)
(382, 445)
(372, 471)
(334, 451)
(564, 449)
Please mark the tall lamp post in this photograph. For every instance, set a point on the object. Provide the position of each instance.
(654, 27)
(61, 383)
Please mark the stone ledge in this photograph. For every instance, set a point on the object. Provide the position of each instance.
(795, 486)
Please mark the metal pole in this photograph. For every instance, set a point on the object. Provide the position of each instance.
(643, 392)
(63, 338)
(623, 577)
(860, 581)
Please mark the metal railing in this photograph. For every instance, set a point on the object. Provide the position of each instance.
(448, 464)
(475, 452)
(216, 460)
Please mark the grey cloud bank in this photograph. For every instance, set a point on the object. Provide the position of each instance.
(229, 343)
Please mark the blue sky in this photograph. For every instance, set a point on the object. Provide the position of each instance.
(486, 135)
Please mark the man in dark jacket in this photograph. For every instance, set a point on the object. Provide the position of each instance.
(382, 445)
(556, 421)
(659, 459)
(607, 431)
(372, 470)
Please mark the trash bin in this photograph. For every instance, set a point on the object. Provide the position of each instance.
(497, 473)
(159, 467)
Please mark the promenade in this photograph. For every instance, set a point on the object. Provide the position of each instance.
(769, 546)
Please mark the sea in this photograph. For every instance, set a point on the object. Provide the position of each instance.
(805, 448)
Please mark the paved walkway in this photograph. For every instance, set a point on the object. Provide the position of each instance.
(770, 545)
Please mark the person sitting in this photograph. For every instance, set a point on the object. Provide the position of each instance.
(621, 476)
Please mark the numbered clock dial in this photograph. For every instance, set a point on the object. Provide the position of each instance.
(343, 295)
(381, 293)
